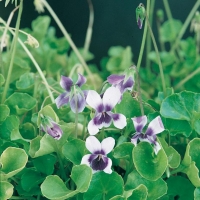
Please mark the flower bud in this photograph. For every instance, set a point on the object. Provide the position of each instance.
(140, 15)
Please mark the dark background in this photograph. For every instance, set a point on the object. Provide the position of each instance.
(114, 22)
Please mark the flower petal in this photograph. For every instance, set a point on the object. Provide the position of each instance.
(157, 148)
(107, 145)
(55, 131)
(135, 138)
(139, 123)
(93, 144)
(108, 169)
(128, 85)
(155, 126)
(119, 120)
(110, 98)
(115, 79)
(66, 83)
(92, 128)
(104, 121)
(99, 163)
(85, 160)
(62, 99)
(77, 103)
(93, 99)
(81, 80)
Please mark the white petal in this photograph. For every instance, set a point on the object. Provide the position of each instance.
(92, 128)
(111, 97)
(157, 148)
(85, 160)
(119, 120)
(139, 123)
(108, 168)
(93, 99)
(107, 144)
(93, 144)
(155, 126)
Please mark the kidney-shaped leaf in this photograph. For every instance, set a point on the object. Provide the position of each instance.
(149, 165)
(13, 160)
(6, 190)
(5, 111)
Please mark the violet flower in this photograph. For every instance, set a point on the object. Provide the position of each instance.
(103, 106)
(154, 127)
(52, 128)
(73, 95)
(98, 160)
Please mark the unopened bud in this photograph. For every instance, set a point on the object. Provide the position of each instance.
(140, 15)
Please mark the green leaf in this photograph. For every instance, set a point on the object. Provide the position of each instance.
(139, 193)
(40, 146)
(11, 165)
(118, 197)
(2, 80)
(81, 175)
(45, 164)
(10, 124)
(31, 179)
(182, 106)
(74, 150)
(173, 156)
(155, 189)
(26, 82)
(5, 111)
(130, 107)
(54, 188)
(197, 194)
(149, 165)
(20, 103)
(181, 187)
(170, 29)
(191, 161)
(27, 131)
(6, 190)
(124, 151)
(104, 186)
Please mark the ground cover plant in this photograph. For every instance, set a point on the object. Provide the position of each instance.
(72, 131)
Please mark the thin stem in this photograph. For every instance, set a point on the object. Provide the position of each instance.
(89, 29)
(148, 45)
(76, 114)
(13, 53)
(7, 25)
(158, 56)
(162, 45)
(143, 39)
(36, 66)
(65, 33)
(185, 25)
(187, 78)
(75, 67)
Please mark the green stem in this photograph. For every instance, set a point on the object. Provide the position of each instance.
(185, 25)
(143, 39)
(13, 52)
(148, 45)
(158, 56)
(65, 33)
(89, 29)
(187, 78)
(76, 114)
(73, 69)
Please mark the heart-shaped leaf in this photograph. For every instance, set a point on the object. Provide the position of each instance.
(5, 111)
(6, 190)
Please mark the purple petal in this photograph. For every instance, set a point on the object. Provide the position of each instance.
(155, 126)
(99, 163)
(135, 138)
(93, 99)
(81, 80)
(111, 97)
(139, 22)
(104, 121)
(128, 85)
(77, 103)
(107, 145)
(115, 79)
(119, 120)
(55, 131)
(66, 83)
(62, 99)
(93, 144)
(85, 93)
(139, 123)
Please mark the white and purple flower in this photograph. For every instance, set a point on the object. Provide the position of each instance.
(73, 95)
(103, 106)
(52, 128)
(98, 160)
(154, 127)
